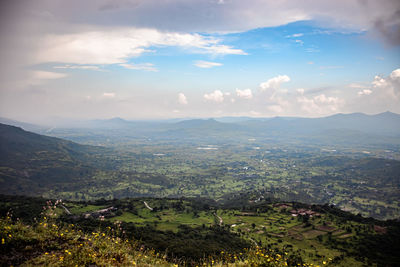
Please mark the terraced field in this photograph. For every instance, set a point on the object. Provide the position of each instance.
(314, 235)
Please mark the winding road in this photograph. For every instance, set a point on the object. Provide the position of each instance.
(66, 210)
(147, 205)
(219, 218)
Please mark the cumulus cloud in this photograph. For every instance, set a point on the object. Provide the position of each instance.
(277, 98)
(246, 93)
(389, 86)
(300, 91)
(364, 92)
(320, 104)
(395, 75)
(206, 64)
(216, 96)
(141, 66)
(274, 83)
(379, 95)
(182, 99)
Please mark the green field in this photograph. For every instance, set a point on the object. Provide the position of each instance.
(321, 236)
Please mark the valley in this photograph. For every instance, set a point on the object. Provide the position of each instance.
(302, 199)
(352, 179)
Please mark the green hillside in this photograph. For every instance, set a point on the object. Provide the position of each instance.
(187, 232)
(32, 163)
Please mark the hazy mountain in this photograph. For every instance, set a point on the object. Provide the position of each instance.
(355, 128)
(23, 125)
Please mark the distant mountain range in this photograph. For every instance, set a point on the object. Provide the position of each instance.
(351, 128)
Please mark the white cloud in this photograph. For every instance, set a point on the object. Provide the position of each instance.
(117, 45)
(274, 83)
(216, 96)
(364, 92)
(206, 64)
(295, 35)
(395, 75)
(320, 104)
(109, 95)
(222, 16)
(246, 93)
(300, 91)
(141, 66)
(389, 86)
(83, 67)
(381, 94)
(299, 42)
(182, 99)
(47, 75)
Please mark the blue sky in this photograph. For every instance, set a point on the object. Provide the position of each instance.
(144, 60)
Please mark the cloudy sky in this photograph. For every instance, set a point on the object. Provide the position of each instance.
(153, 59)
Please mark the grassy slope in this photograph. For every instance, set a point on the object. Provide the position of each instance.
(50, 244)
(336, 238)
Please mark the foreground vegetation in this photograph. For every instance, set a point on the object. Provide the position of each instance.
(168, 232)
(48, 244)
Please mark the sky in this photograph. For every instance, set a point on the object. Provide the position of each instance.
(159, 59)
